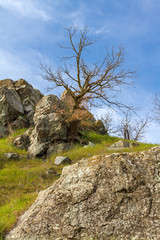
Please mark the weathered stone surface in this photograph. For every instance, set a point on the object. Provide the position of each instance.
(62, 160)
(57, 148)
(17, 102)
(3, 132)
(29, 97)
(36, 148)
(12, 156)
(7, 83)
(10, 106)
(19, 123)
(105, 197)
(23, 141)
(123, 144)
(48, 104)
(50, 127)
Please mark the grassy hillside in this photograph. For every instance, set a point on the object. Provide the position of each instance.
(21, 180)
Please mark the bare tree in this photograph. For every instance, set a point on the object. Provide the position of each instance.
(89, 82)
(107, 120)
(132, 128)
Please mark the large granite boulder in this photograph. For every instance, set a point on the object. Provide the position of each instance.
(114, 196)
(17, 103)
(50, 127)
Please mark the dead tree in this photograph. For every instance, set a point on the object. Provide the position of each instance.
(132, 128)
(89, 82)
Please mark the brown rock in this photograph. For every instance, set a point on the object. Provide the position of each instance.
(105, 197)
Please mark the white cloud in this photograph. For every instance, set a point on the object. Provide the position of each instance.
(102, 30)
(26, 8)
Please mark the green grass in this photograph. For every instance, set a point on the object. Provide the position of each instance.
(20, 181)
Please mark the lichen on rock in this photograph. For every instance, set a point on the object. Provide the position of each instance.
(104, 197)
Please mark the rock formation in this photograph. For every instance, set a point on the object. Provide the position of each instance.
(17, 103)
(50, 127)
(53, 132)
(105, 197)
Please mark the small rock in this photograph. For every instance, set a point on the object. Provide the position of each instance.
(90, 144)
(123, 144)
(62, 160)
(12, 156)
(120, 144)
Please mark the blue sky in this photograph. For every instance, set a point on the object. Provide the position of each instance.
(31, 29)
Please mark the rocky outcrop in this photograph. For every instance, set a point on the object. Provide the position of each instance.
(104, 197)
(17, 103)
(50, 127)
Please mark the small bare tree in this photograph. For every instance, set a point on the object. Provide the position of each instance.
(89, 82)
(107, 120)
(132, 128)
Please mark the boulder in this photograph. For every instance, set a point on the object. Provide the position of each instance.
(48, 104)
(10, 106)
(23, 141)
(17, 103)
(19, 123)
(50, 127)
(10, 156)
(123, 144)
(7, 83)
(62, 160)
(29, 97)
(114, 196)
(58, 147)
(36, 148)
(3, 132)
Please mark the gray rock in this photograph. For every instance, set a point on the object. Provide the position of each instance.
(90, 144)
(62, 160)
(57, 148)
(3, 132)
(17, 99)
(19, 123)
(37, 149)
(50, 127)
(123, 144)
(23, 141)
(99, 198)
(10, 106)
(29, 97)
(10, 156)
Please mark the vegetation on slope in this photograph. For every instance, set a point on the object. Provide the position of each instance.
(21, 180)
